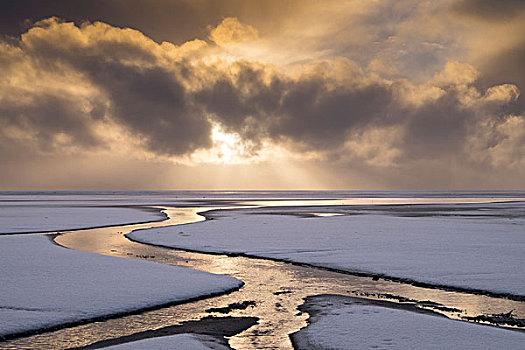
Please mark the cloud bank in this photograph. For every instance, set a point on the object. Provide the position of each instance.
(96, 89)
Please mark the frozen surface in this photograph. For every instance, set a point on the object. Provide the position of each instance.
(339, 324)
(27, 217)
(44, 211)
(98, 198)
(480, 252)
(45, 285)
(180, 341)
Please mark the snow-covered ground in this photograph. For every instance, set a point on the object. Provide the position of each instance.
(21, 218)
(64, 210)
(184, 341)
(43, 285)
(108, 198)
(344, 323)
(479, 249)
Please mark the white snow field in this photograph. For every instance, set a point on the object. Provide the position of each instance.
(339, 324)
(184, 341)
(44, 211)
(484, 252)
(34, 218)
(44, 285)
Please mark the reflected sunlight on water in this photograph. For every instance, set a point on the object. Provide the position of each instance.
(277, 288)
(380, 201)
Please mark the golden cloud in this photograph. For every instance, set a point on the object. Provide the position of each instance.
(231, 31)
(98, 88)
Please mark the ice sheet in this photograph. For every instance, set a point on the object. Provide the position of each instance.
(342, 325)
(52, 217)
(45, 285)
(473, 252)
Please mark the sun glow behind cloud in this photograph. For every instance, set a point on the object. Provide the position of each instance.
(227, 148)
(391, 89)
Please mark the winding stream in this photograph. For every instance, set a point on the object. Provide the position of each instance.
(277, 289)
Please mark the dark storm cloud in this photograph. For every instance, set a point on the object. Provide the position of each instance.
(47, 116)
(320, 117)
(244, 103)
(74, 80)
(148, 97)
(317, 116)
(151, 102)
(308, 110)
(305, 110)
(143, 95)
(437, 128)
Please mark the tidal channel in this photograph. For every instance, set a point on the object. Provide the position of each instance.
(273, 290)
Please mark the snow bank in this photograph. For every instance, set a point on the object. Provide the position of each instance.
(34, 218)
(180, 341)
(338, 323)
(44, 285)
(473, 252)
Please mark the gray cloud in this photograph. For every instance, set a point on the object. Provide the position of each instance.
(46, 116)
(149, 98)
(321, 117)
(500, 10)
(65, 84)
(137, 91)
(437, 129)
(152, 103)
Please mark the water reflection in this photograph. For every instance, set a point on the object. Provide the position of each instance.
(326, 215)
(380, 201)
(276, 287)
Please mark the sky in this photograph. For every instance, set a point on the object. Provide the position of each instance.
(232, 94)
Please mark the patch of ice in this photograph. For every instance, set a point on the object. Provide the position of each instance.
(343, 325)
(44, 285)
(34, 218)
(481, 253)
